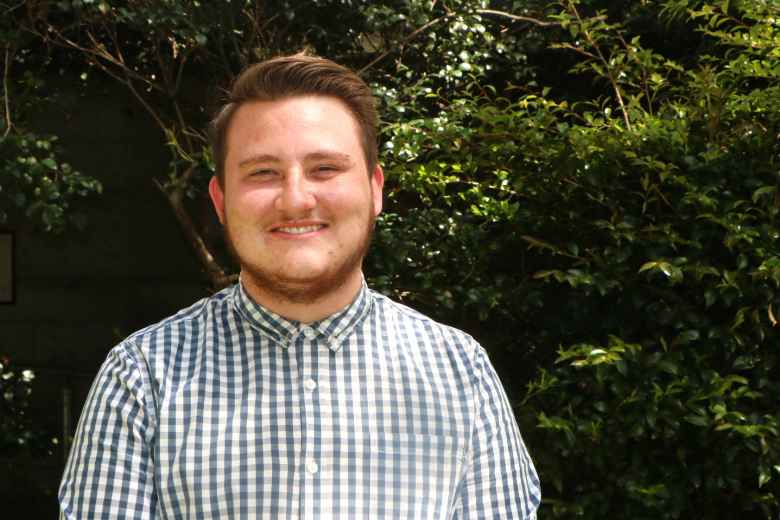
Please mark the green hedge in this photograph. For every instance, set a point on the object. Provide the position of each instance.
(620, 251)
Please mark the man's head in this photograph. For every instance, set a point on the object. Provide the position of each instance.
(296, 195)
(291, 77)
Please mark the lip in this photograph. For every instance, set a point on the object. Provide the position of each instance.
(318, 227)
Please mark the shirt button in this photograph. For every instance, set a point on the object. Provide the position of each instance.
(309, 332)
(312, 467)
(310, 385)
(332, 341)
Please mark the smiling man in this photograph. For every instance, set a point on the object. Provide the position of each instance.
(297, 202)
(299, 392)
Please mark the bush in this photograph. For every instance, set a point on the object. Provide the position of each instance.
(625, 246)
(29, 458)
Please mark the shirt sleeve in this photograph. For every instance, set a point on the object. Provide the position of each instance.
(110, 471)
(500, 480)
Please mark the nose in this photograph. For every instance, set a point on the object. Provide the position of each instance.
(296, 195)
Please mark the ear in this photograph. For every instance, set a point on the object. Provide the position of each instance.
(218, 198)
(377, 181)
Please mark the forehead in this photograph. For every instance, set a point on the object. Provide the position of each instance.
(295, 113)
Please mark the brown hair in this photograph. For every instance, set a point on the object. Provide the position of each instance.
(297, 76)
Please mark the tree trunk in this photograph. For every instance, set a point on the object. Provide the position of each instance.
(210, 268)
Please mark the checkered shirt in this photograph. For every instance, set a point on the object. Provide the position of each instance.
(227, 410)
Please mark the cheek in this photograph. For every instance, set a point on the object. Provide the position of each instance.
(347, 200)
(248, 206)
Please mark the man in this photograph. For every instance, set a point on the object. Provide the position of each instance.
(298, 393)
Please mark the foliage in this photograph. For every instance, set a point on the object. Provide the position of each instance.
(29, 459)
(17, 431)
(608, 234)
(33, 180)
(636, 226)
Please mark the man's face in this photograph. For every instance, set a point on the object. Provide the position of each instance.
(298, 205)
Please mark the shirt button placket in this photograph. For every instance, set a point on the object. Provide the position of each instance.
(309, 410)
(324, 398)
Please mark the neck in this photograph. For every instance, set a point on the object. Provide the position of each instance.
(309, 312)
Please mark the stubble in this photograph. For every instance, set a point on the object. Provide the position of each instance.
(304, 290)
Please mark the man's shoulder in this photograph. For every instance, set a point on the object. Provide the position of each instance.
(403, 316)
(198, 311)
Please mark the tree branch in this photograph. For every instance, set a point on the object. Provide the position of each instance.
(11, 9)
(520, 18)
(615, 86)
(403, 41)
(210, 267)
(5, 94)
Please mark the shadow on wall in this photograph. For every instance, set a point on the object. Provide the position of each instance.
(129, 268)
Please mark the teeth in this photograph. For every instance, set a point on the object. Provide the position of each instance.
(299, 230)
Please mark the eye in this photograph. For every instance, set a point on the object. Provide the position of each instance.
(262, 173)
(325, 169)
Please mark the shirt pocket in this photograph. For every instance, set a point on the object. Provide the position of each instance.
(414, 476)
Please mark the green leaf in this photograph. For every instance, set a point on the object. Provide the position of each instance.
(709, 296)
(35, 168)
(570, 439)
(32, 208)
(648, 265)
(698, 420)
(743, 363)
(668, 366)
(688, 336)
(50, 191)
(761, 191)
(764, 476)
(650, 416)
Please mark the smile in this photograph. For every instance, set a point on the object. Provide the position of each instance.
(300, 230)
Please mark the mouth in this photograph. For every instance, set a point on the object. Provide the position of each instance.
(299, 230)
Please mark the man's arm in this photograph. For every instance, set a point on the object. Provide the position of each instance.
(110, 472)
(500, 481)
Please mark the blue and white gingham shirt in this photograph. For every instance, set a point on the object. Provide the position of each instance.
(227, 410)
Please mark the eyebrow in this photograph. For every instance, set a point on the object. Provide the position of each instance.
(313, 156)
(328, 154)
(260, 158)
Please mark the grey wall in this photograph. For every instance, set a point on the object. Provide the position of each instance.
(130, 267)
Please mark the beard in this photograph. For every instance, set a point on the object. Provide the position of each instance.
(304, 290)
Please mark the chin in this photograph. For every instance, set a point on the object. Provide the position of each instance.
(297, 286)
(302, 276)
(295, 267)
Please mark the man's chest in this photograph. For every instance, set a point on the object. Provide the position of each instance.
(306, 432)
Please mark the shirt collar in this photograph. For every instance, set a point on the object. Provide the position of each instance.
(332, 330)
